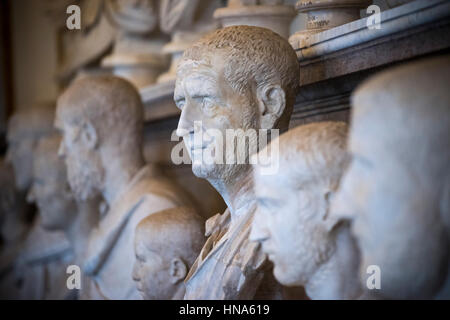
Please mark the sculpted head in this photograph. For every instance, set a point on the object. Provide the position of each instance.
(101, 119)
(166, 246)
(396, 189)
(292, 221)
(237, 77)
(50, 189)
(25, 128)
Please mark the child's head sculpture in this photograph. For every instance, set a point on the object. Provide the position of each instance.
(166, 246)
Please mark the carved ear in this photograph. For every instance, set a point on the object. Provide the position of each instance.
(330, 220)
(272, 102)
(89, 135)
(178, 270)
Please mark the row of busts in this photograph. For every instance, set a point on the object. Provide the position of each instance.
(323, 206)
(151, 36)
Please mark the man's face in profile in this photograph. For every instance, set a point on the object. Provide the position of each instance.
(287, 224)
(392, 216)
(52, 196)
(84, 170)
(210, 106)
(151, 271)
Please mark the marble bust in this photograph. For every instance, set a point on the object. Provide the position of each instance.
(101, 118)
(239, 77)
(166, 245)
(186, 21)
(49, 189)
(136, 55)
(79, 51)
(46, 252)
(307, 245)
(396, 189)
(25, 128)
(58, 208)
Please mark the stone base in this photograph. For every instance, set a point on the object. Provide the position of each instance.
(140, 70)
(275, 18)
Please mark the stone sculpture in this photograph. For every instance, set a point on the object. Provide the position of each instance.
(275, 15)
(186, 21)
(323, 15)
(397, 187)
(166, 245)
(44, 255)
(235, 78)
(101, 118)
(58, 208)
(308, 246)
(79, 51)
(137, 49)
(25, 128)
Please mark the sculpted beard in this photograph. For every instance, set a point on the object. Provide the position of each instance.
(309, 252)
(85, 176)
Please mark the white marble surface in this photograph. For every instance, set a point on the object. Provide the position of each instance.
(398, 19)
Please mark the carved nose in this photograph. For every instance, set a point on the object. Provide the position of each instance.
(186, 122)
(183, 127)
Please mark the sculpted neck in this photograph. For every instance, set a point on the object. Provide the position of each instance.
(179, 294)
(236, 190)
(338, 278)
(86, 218)
(120, 168)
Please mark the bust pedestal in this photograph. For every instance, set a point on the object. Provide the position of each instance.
(137, 59)
(325, 14)
(277, 18)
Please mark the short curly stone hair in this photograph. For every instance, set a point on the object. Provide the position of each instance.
(111, 104)
(312, 153)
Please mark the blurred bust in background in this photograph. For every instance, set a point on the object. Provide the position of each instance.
(25, 128)
(101, 118)
(396, 190)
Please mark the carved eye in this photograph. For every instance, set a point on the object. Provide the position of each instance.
(208, 104)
